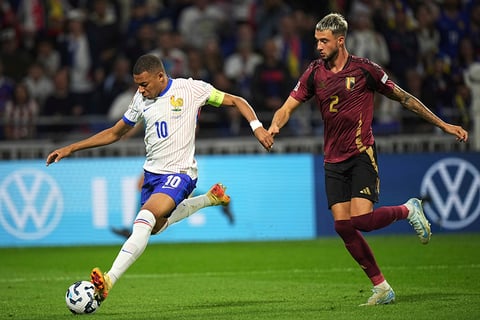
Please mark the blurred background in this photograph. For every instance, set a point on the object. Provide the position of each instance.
(65, 65)
(65, 73)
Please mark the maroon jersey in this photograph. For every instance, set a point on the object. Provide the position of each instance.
(345, 100)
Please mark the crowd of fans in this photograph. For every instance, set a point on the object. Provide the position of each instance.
(62, 61)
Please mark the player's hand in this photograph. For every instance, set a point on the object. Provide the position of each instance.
(459, 132)
(58, 154)
(273, 130)
(265, 138)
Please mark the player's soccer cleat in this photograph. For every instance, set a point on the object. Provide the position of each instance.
(102, 284)
(417, 219)
(217, 195)
(380, 296)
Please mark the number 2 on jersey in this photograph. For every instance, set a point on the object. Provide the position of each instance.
(333, 103)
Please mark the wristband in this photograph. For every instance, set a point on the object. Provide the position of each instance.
(255, 124)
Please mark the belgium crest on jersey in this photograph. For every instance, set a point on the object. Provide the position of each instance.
(349, 83)
(177, 104)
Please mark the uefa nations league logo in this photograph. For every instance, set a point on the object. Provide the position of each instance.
(452, 187)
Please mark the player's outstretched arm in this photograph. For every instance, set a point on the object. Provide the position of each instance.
(282, 115)
(415, 105)
(262, 135)
(102, 138)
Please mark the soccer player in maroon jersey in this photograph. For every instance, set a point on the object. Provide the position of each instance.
(343, 87)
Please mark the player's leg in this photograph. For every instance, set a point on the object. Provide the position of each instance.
(338, 179)
(162, 194)
(365, 190)
(214, 197)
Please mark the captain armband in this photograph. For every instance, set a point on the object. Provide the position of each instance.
(216, 98)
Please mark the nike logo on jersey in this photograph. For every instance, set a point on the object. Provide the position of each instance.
(145, 109)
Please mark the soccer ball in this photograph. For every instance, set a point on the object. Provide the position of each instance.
(80, 298)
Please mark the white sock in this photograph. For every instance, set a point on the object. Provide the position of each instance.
(384, 285)
(188, 207)
(410, 209)
(134, 246)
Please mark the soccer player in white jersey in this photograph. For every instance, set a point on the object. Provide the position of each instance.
(169, 109)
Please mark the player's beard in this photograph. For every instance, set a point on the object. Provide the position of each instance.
(332, 56)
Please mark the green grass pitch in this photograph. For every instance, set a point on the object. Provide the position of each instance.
(314, 279)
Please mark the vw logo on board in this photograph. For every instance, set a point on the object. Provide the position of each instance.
(452, 186)
(31, 204)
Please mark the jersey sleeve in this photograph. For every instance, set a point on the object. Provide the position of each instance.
(202, 92)
(133, 113)
(381, 81)
(304, 89)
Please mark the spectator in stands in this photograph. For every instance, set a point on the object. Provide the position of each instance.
(206, 18)
(473, 28)
(6, 92)
(48, 56)
(465, 58)
(119, 104)
(21, 114)
(428, 37)
(173, 57)
(415, 85)
(240, 66)
(196, 68)
(31, 16)
(144, 42)
(60, 106)
(402, 45)
(103, 28)
(451, 24)
(116, 82)
(140, 14)
(292, 50)
(38, 83)
(213, 56)
(56, 17)
(8, 17)
(77, 56)
(266, 20)
(16, 59)
(364, 41)
(271, 80)
(438, 87)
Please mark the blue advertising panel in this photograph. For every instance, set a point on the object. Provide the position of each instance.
(77, 201)
(448, 183)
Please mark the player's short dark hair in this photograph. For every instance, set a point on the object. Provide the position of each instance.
(334, 22)
(149, 63)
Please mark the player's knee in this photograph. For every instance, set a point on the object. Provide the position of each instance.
(362, 223)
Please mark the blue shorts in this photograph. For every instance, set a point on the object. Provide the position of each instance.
(178, 186)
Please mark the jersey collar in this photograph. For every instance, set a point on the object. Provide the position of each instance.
(169, 84)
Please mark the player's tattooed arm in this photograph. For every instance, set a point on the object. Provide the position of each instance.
(413, 104)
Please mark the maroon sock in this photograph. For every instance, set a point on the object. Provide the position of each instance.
(380, 218)
(359, 250)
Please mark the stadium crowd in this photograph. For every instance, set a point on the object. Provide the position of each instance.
(66, 62)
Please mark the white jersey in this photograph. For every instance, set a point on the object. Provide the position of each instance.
(170, 122)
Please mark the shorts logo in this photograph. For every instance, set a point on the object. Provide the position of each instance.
(31, 204)
(453, 187)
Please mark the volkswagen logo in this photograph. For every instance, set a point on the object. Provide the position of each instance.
(452, 186)
(31, 204)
